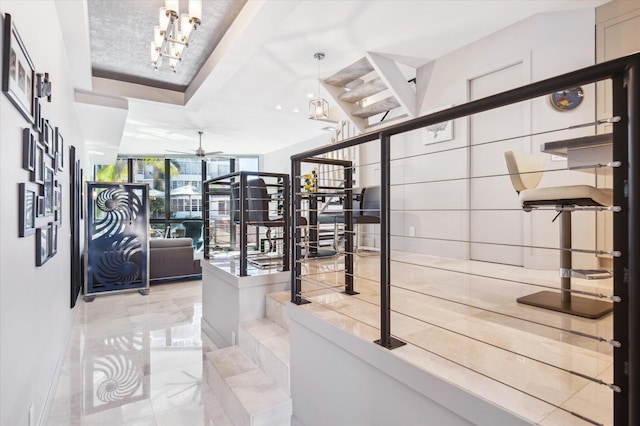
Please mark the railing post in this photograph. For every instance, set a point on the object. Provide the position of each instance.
(385, 246)
(348, 230)
(286, 217)
(296, 269)
(633, 258)
(244, 207)
(206, 222)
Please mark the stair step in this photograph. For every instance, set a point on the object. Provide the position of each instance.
(364, 91)
(267, 345)
(350, 73)
(376, 108)
(248, 395)
(276, 303)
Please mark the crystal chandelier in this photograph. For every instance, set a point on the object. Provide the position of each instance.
(171, 37)
(319, 107)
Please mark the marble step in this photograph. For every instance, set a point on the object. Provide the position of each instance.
(276, 312)
(267, 345)
(248, 396)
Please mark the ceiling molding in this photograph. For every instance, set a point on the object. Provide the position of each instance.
(138, 91)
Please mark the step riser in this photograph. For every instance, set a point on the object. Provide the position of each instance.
(232, 406)
(270, 364)
(248, 396)
(276, 313)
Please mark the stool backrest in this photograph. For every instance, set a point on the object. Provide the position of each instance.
(525, 170)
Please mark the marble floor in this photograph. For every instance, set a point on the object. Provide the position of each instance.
(462, 322)
(137, 360)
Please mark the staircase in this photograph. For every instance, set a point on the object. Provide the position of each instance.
(252, 379)
(372, 91)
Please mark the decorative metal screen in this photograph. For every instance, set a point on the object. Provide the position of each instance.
(117, 237)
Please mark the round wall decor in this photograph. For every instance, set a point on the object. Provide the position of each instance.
(568, 99)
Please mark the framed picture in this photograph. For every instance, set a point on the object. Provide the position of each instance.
(47, 138)
(48, 190)
(37, 115)
(37, 175)
(42, 245)
(18, 71)
(438, 132)
(28, 150)
(53, 239)
(28, 207)
(39, 206)
(59, 155)
(57, 204)
(57, 195)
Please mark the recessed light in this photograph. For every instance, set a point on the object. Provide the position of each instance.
(328, 128)
(278, 106)
(296, 110)
(310, 95)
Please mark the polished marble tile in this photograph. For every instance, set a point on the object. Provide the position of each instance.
(137, 360)
(462, 322)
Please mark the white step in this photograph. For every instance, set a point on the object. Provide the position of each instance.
(248, 396)
(276, 312)
(352, 72)
(267, 345)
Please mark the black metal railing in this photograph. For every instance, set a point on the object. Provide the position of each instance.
(241, 211)
(624, 74)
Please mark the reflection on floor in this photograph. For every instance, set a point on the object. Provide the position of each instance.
(462, 323)
(137, 360)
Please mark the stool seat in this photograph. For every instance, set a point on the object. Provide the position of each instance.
(571, 195)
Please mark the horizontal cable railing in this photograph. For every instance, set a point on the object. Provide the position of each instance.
(422, 262)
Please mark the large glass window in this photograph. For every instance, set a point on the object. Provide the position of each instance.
(118, 172)
(186, 189)
(182, 178)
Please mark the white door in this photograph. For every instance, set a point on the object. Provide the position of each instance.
(495, 215)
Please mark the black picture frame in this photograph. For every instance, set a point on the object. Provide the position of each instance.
(28, 150)
(28, 206)
(18, 71)
(48, 190)
(42, 245)
(57, 195)
(47, 138)
(40, 206)
(37, 176)
(37, 115)
(57, 204)
(59, 154)
(53, 239)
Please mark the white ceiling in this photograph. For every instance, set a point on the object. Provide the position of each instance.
(266, 59)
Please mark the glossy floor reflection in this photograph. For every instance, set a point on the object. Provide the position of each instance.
(462, 322)
(137, 360)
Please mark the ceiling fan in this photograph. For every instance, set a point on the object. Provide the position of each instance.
(198, 152)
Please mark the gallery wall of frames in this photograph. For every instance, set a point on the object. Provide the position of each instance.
(43, 147)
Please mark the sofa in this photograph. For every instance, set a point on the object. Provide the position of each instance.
(172, 258)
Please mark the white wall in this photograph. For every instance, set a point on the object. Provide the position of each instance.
(35, 314)
(280, 161)
(445, 82)
(377, 387)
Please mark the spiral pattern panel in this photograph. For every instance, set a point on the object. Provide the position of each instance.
(115, 265)
(120, 206)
